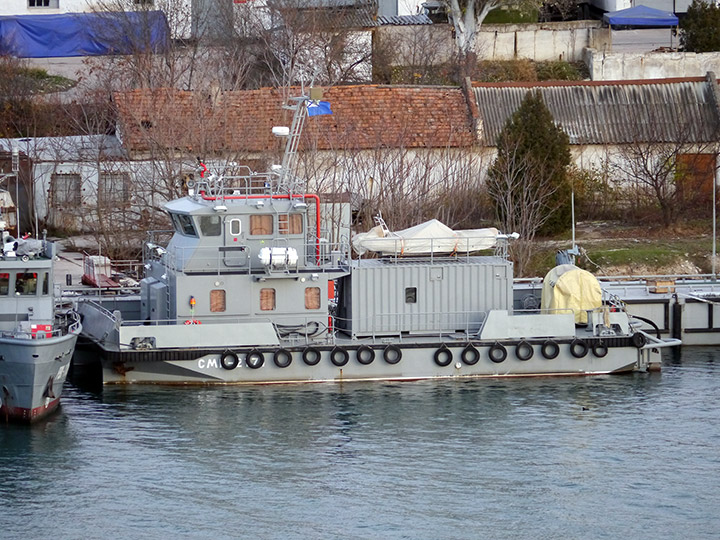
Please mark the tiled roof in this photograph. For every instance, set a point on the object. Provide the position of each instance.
(367, 116)
(614, 112)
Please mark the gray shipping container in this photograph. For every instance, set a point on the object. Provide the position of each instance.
(421, 297)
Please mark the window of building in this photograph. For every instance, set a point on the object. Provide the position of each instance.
(25, 283)
(411, 295)
(312, 298)
(210, 225)
(4, 284)
(290, 224)
(261, 224)
(267, 299)
(217, 300)
(65, 190)
(113, 188)
(44, 3)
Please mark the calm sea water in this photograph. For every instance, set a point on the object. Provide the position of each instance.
(633, 456)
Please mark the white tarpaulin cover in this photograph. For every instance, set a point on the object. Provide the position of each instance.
(567, 287)
(431, 237)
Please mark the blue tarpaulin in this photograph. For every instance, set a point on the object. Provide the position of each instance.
(83, 34)
(640, 16)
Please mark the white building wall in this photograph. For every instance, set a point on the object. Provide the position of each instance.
(20, 7)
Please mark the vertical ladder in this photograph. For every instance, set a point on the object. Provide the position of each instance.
(293, 141)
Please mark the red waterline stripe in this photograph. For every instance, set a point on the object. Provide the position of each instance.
(22, 414)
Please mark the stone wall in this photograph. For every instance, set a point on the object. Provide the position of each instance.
(417, 45)
(609, 66)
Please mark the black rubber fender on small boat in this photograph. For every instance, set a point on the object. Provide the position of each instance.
(578, 348)
(550, 349)
(311, 356)
(639, 340)
(282, 358)
(339, 356)
(229, 360)
(599, 349)
(497, 353)
(392, 354)
(254, 359)
(365, 355)
(443, 356)
(470, 355)
(524, 351)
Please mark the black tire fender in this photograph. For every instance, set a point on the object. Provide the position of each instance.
(254, 359)
(392, 354)
(339, 356)
(599, 349)
(282, 358)
(550, 349)
(639, 340)
(365, 355)
(524, 351)
(229, 360)
(470, 355)
(497, 353)
(578, 348)
(311, 356)
(443, 356)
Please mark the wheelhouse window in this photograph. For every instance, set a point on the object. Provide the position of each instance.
(267, 299)
(46, 283)
(113, 188)
(235, 227)
(65, 190)
(210, 225)
(4, 284)
(290, 224)
(217, 300)
(261, 225)
(312, 298)
(26, 283)
(184, 224)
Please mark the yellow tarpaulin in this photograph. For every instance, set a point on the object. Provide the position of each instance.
(567, 287)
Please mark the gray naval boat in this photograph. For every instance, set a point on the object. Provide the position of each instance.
(252, 288)
(36, 339)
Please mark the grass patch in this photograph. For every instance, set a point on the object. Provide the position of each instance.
(511, 16)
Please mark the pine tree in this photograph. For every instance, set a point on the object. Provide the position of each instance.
(528, 181)
(700, 28)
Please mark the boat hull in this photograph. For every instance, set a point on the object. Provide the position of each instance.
(32, 374)
(352, 361)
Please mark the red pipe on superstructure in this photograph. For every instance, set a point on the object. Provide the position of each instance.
(290, 196)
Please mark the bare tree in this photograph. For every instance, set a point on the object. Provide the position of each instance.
(522, 195)
(667, 173)
(467, 17)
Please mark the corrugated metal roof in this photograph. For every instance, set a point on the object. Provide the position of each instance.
(404, 20)
(681, 110)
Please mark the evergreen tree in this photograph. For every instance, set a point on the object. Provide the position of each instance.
(700, 28)
(528, 181)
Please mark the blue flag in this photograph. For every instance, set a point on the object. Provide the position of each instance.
(317, 108)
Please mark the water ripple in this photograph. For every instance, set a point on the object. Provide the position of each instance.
(606, 457)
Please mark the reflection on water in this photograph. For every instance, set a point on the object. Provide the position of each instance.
(633, 456)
